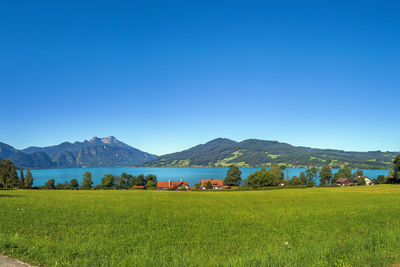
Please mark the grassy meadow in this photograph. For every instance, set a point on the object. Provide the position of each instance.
(353, 226)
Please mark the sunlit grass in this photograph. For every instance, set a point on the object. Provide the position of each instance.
(353, 226)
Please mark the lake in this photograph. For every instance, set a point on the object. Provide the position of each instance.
(191, 175)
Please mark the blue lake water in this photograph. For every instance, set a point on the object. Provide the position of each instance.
(191, 175)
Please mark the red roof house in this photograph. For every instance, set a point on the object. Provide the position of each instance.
(173, 185)
(216, 184)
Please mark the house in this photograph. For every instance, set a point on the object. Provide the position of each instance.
(216, 184)
(226, 187)
(367, 180)
(352, 181)
(139, 187)
(342, 181)
(173, 185)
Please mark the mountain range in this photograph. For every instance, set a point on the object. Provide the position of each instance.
(221, 152)
(97, 152)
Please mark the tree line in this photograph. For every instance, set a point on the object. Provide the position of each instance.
(10, 179)
(109, 181)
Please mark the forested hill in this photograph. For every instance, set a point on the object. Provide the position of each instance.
(256, 153)
(97, 152)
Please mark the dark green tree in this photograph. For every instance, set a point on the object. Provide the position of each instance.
(395, 172)
(312, 175)
(139, 180)
(197, 185)
(208, 185)
(233, 176)
(295, 181)
(108, 181)
(87, 181)
(49, 184)
(151, 177)
(73, 184)
(28, 182)
(125, 180)
(263, 178)
(62, 186)
(151, 185)
(347, 172)
(277, 172)
(358, 173)
(302, 178)
(22, 179)
(325, 174)
(361, 181)
(381, 179)
(8, 174)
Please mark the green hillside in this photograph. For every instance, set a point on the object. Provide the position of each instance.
(257, 153)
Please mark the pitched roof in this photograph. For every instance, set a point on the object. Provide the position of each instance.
(138, 187)
(162, 185)
(342, 180)
(215, 183)
(172, 185)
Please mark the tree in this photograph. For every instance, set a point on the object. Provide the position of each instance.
(62, 186)
(302, 178)
(73, 184)
(197, 185)
(233, 176)
(295, 181)
(22, 180)
(8, 174)
(361, 181)
(151, 177)
(395, 172)
(312, 175)
(209, 185)
(28, 182)
(108, 181)
(336, 176)
(49, 184)
(325, 174)
(358, 173)
(263, 178)
(87, 181)
(346, 172)
(277, 172)
(151, 185)
(139, 180)
(381, 179)
(125, 180)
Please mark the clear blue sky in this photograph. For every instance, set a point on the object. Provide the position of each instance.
(163, 76)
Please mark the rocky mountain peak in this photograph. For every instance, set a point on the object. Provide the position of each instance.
(104, 140)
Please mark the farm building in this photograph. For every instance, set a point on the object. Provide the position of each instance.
(342, 181)
(216, 184)
(353, 181)
(173, 185)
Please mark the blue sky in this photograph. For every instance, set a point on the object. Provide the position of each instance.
(163, 76)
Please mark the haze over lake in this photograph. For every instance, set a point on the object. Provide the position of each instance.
(192, 175)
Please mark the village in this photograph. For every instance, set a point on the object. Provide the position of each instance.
(214, 184)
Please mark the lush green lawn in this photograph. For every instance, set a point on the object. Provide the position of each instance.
(323, 227)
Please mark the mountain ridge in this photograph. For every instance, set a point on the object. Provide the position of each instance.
(222, 152)
(97, 152)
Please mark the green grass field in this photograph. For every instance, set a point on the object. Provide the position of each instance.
(354, 226)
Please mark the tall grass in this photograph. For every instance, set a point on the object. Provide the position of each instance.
(310, 227)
